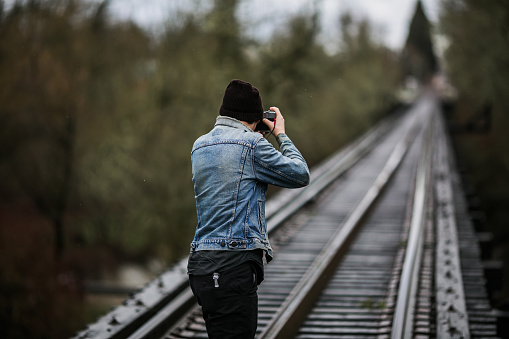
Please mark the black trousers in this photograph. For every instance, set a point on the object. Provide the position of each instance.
(231, 309)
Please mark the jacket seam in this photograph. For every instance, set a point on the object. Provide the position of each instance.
(236, 142)
(261, 163)
(237, 189)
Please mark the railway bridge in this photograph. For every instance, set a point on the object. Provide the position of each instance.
(380, 244)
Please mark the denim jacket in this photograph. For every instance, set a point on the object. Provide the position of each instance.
(232, 167)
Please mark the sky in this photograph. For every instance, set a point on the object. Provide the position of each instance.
(390, 18)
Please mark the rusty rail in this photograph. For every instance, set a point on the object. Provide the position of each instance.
(402, 325)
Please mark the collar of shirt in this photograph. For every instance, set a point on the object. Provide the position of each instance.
(231, 122)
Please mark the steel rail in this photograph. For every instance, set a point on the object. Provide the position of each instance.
(433, 174)
(402, 324)
(294, 309)
(158, 324)
(331, 170)
(166, 298)
(452, 319)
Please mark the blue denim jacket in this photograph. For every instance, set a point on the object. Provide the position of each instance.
(232, 166)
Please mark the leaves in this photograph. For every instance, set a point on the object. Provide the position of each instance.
(477, 61)
(100, 116)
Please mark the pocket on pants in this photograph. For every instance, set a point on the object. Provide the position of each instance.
(243, 279)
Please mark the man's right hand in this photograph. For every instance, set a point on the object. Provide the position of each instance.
(278, 126)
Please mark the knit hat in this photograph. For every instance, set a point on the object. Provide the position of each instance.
(242, 101)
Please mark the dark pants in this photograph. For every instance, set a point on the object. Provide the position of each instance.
(230, 310)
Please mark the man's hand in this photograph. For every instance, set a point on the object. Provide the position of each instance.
(278, 126)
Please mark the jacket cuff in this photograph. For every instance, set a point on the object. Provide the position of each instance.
(281, 137)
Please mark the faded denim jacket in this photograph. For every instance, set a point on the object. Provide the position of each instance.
(232, 167)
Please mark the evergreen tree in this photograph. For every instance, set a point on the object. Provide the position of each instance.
(419, 59)
(224, 29)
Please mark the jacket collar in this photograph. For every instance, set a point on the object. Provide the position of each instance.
(231, 122)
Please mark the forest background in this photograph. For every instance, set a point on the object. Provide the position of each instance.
(98, 116)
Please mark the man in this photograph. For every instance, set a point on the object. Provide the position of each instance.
(232, 167)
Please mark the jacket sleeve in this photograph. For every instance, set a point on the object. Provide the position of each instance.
(285, 168)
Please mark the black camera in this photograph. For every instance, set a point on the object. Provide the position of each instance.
(261, 127)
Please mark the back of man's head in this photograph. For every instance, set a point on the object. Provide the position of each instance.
(242, 101)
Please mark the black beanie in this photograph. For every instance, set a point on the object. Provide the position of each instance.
(242, 101)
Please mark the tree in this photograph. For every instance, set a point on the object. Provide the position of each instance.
(419, 59)
(477, 62)
(222, 25)
(40, 101)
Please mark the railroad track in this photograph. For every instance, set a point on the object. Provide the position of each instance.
(370, 248)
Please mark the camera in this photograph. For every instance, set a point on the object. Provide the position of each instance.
(261, 127)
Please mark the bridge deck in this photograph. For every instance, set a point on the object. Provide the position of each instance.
(376, 205)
